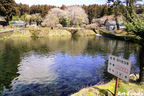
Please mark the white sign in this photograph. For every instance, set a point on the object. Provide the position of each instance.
(119, 67)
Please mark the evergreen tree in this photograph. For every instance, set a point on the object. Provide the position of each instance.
(90, 13)
(63, 7)
(38, 20)
(95, 12)
(136, 26)
(8, 8)
(15, 18)
(115, 8)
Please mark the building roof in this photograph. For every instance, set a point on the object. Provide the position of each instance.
(113, 23)
(2, 19)
(37, 14)
(20, 22)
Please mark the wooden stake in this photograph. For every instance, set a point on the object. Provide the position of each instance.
(116, 86)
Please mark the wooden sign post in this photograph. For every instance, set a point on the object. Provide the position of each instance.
(116, 86)
(120, 68)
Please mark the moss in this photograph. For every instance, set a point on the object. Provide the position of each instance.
(47, 32)
(18, 36)
(35, 32)
(21, 33)
(59, 33)
(90, 32)
(105, 88)
(118, 36)
(87, 92)
(5, 37)
(93, 34)
(82, 32)
(101, 90)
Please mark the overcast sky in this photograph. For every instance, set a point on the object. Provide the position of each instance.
(60, 2)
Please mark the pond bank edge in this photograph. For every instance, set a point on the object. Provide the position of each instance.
(44, 32)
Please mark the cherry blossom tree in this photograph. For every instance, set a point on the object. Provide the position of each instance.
(73, 15)
(54, 17)
(77, 15)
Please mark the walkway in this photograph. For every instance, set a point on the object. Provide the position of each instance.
(6, 30)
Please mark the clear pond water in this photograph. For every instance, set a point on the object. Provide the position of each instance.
(58, 66)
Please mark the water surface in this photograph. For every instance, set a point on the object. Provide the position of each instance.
(57, 66)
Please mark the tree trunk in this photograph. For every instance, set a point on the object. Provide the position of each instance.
(141, 57)
(7, 20)
(117, 23)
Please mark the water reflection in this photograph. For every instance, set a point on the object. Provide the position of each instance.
(57, 66)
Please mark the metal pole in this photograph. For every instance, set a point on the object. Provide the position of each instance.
(116, 86)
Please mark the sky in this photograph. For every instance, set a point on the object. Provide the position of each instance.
(60, 2)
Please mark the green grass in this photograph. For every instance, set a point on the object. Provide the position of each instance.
(47, 32)
(123, 88)
(118, 36)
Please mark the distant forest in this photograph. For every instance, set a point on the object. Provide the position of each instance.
(93, 11)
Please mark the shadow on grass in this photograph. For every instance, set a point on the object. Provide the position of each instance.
(105, 92)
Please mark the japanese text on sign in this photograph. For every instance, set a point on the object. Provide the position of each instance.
(119, 67)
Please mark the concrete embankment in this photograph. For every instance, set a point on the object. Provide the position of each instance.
(19, 32)
(6, 33)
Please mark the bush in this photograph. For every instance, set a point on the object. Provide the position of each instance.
(35, 32)
(17, 26)
(59, 25)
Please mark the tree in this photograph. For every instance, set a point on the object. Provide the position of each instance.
(65, 21)
(129, 4)
(23, 17)
(56, 16)
(34, 18)
(115, 8)
(90, 13)
(63, 7)
(53, 17)
(15, 18)
(8, 8)
(136, 26)
(98, 11)
(119, 4)
(72, 15)
(38, 20)
(76, 15)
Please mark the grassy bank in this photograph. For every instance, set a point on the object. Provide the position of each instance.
(45, 32)
(22, 33)
(81, 32)
(131, 88)
(122, 35)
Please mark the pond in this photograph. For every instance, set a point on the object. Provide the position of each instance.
(58, 66)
